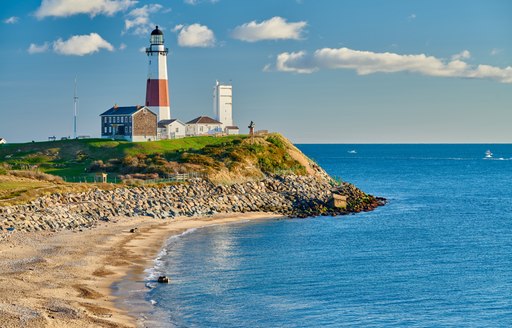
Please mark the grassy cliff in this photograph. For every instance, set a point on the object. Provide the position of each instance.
(226, 159)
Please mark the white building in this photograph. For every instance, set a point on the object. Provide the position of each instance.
(223, 104)
(203, 125)
(231, 130)
(171, 129)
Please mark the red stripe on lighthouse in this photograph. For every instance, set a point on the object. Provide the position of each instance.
(157, 93)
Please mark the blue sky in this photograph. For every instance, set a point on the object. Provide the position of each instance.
(315, 70)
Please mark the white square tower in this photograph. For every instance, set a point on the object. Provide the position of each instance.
(223, 104)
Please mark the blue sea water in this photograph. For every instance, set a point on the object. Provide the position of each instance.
(438, 255)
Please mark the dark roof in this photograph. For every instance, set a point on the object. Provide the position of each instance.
(164, 123)
(233, 127)
(204, 120)
(130, 110)
(156, 31)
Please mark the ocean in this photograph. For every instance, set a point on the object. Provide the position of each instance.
(438, 255)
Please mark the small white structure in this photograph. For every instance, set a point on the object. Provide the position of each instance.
(2, 141)
(171, 129)
(223, 103)
(231, 130)
(203, 125)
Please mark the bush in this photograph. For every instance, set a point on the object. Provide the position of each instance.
(37, 176)
(276, 141)
(4, 168)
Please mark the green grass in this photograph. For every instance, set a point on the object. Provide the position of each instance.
(71, 158)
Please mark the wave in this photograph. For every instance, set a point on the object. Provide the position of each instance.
(153, 272)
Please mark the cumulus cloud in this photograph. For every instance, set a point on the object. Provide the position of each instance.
(11, 20)
(296, 62)
(122, 46)
(65, 8)
(78, 45)
(195, 35)
(367, 62)
(37, 49)
(465, 54)
(138, 19)
(276, 28)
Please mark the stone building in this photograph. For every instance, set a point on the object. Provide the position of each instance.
(134, 123)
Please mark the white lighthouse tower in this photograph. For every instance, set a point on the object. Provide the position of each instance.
(223, 103)
(157, 90)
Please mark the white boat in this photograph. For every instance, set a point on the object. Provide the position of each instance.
(488, 154)
(352, 152)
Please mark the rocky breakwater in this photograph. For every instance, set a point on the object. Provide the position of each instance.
(290, 195)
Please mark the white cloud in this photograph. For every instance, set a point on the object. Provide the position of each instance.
(276, 28)
(411, 17)
(80, 45)
(195, 35)
(138, 20)
(11, 20)
(64, 8)
(37, 49)
(367, 62)
(297, 62)
(495, 51)
(195, 2)
(122, 46)
(178, 27)
(142, 49)
(465, 54)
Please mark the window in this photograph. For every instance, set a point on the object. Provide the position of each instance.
(105, 130)
(201, 129)
(177, 130)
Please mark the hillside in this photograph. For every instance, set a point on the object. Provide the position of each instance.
(225, 159)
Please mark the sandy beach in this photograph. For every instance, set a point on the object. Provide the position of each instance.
(64, 279)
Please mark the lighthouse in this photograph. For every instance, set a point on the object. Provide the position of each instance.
(157, 89)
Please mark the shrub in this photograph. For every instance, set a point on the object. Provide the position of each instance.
(276, 141)
(37, 176)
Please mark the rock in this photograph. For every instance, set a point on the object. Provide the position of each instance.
(133, 230)
(163, 279)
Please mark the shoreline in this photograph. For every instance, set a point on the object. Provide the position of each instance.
(66, 278)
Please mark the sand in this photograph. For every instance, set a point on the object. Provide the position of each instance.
(64, 279)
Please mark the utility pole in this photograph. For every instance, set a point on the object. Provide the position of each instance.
(75, 103)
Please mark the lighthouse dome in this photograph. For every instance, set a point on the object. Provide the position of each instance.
(156, 31)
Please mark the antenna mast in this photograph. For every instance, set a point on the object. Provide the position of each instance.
(75, 103)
